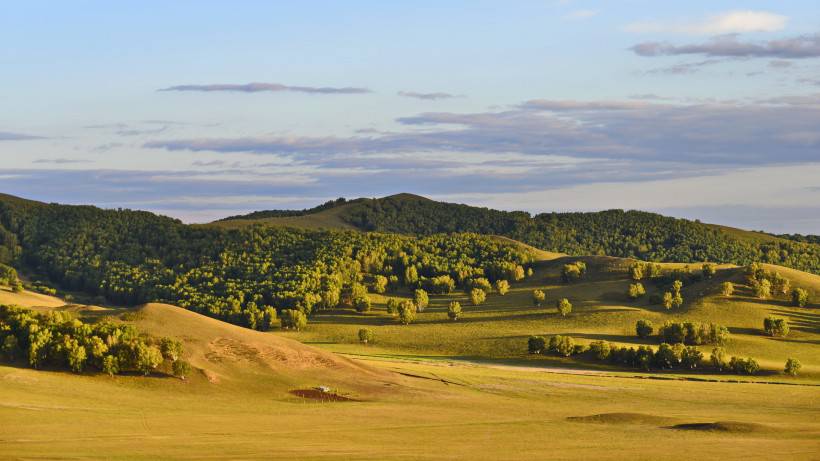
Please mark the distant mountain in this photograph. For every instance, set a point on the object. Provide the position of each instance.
(634, 234)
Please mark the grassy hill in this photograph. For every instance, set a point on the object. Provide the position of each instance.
(239, 405)
(633, 234)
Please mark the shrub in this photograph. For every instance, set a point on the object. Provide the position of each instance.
(407, 312)
(600, 349)
(792, 367)
(293, 318)
(573, 272)
(482, 284)
(181, 369)
(562, 345)
(718, 358)
(667, 300)
(170, 349)
(709, 270)
(644, 328)
(362, 304)
(536, 344)
(741, 366)
(392, 306)
(774, 326)
(564, 306)
(477, 296)
(538, 297)
(636, 271)
(365, 335)
(763, 289)
(636, 290)
(727, 288)
(111, 365)
(800, 297)
(502, 287)
(379, 284)
(421, 299)
(454, 310)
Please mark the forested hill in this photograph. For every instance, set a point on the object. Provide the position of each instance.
(634, 234)
(249, 276)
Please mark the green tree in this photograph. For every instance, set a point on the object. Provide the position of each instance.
(536, 344)
(421, 299)
(171, 349)
(293, 318)
(148, 358)
(477, 296)
(454, 310)
(668, 300)
(747, 366)
(600, 349)
(365, 335)
(709, 270)
(644, 328)
(502, 287)
(411, 276)
(774, 326)
(792, 367)
(800, 297)
(636, 290)
(111, 365)
(392, 306)
(718, 358)
(636, 271)
(562, 345)
(181, 369)
(362, 304)
(677, 300)
(763, 289)
(379, 284)
(538, 297)
(564, 306)
(727, 288)
(407, 312)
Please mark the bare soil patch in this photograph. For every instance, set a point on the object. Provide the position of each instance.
(315, 394)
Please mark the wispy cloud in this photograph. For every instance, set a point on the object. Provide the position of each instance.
(266, 87)
(427, 96)
(730, 22)
(685, 67)
(60, 161)
(7, 136)
(801, 47)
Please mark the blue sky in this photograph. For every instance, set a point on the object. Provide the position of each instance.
(699, 109)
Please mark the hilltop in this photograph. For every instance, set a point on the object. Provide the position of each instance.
(629, 234)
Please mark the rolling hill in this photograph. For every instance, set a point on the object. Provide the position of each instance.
(630, 234)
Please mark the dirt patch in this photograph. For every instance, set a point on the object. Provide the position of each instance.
(723, 426)
(622, 418)
(315, 394)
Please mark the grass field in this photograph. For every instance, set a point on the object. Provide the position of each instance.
(435, 389)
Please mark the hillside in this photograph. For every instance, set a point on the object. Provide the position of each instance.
(630, 234)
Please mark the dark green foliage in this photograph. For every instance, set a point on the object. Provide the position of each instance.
(392, 306)
(644, 328)
(636, 290)
(362, 304)
(290, 213)
(57, 340)
(295, 319)
(709, 270)
(573, 272)
(774, 326)
(692, 333)
(130, 257)
(600, 349)
(718, 358)
(629, 234)
(441, 285)
(536, 344)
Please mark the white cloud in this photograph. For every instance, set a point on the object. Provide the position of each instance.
(730, 22)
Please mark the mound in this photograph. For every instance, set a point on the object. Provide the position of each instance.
(29, 299)
(622, 418)
(227, 354)
(723, 426)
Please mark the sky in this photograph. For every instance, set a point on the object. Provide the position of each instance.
(198, 110)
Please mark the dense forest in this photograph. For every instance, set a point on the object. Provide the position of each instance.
(633, 234)
(246, 276)
(262, 214)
